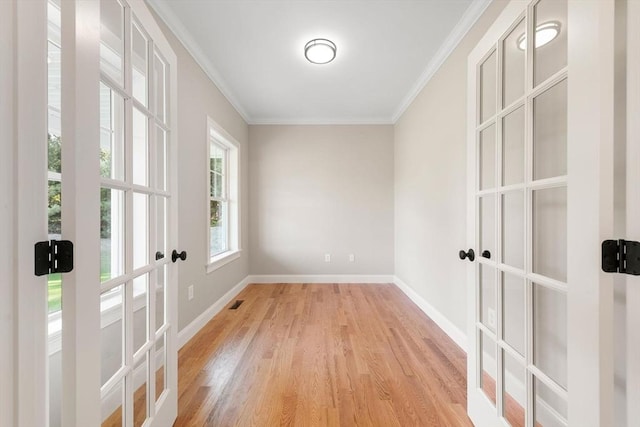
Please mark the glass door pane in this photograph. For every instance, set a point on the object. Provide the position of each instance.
(513, 312)
(513, 136)
(513, 65)
(549, 208)
(488, 367)
(487, 157)
(513, 377)
(550, 333)
(550, 132)
(513, 231)
(550, 53)
(488, 95)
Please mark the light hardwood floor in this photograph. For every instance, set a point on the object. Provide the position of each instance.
(322, 355)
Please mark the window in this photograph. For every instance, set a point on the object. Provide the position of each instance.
(222, 192)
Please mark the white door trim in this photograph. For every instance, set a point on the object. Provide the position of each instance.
(80, 220)
(590, 211)
(633, 207)
(7, 204)
(31, 167)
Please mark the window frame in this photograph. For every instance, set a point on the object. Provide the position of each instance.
(223, 197)
(231, 196)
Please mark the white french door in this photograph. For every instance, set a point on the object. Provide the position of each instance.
(137, 219)
(540, 175)
(96, 150)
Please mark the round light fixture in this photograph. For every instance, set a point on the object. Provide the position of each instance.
(320, 51)
(544, 34)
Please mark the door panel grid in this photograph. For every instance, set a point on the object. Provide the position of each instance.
(523, 179)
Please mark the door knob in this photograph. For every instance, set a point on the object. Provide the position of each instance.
(175, 255)
(486, 254)
(159, 255)
(469, 254)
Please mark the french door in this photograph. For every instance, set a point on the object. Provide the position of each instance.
(138, 375)
(540, 175)
(96, 154)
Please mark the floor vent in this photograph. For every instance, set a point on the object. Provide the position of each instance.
(236, 304)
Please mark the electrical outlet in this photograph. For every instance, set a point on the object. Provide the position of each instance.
(327, 257)
(190, 291)
(491, 317)
(352, 257)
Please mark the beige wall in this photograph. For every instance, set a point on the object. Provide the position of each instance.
(198, 98)
(430, 183)
(321, 189)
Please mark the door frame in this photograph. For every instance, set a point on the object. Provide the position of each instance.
(589, 211)
(30, 103)
(7, 217)
(633, 207)
(81, 213)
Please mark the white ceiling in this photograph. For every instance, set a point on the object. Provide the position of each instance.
(254, 51)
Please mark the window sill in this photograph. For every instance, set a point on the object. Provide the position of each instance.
(222, 259)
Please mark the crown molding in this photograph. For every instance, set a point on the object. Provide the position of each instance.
(183, 36)
(321, 121)
(471, 15)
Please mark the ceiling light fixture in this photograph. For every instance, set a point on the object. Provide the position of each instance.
(545, 33)
(320, 51)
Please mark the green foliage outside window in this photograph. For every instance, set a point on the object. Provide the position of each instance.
(55, 213)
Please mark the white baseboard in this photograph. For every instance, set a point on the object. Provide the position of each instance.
(320, 278)
(198, 323)
(457, 335)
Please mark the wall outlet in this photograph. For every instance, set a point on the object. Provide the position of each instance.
(491, 317)
(352, 257)
(190, 292)
(327, 257)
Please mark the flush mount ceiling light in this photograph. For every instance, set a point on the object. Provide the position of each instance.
(320, 51)
(544, 34)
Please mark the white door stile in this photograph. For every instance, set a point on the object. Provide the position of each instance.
(31, 167)
(80, 184)
(172, 176)
(7, 204)
(633, 207)
(590, 211)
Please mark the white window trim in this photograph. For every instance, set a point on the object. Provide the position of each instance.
(234, 250)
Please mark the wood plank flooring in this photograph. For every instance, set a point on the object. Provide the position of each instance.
(322, 355)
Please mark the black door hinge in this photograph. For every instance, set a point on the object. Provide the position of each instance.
(621, 256)
(55, 256)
